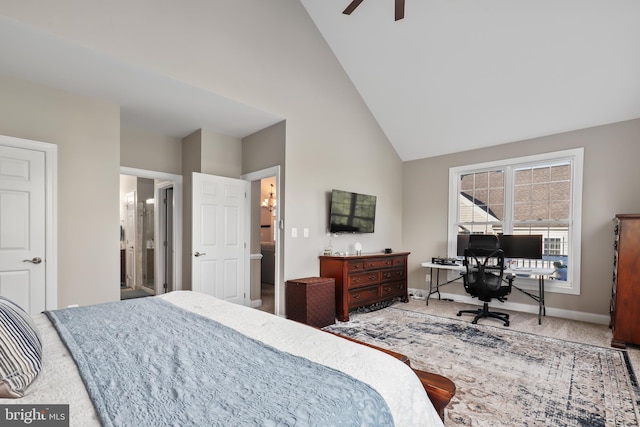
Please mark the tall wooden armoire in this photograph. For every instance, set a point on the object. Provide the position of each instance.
(625, 294)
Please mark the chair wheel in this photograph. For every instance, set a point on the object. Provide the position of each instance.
(506, 323)
(475, 322)
(458, 314)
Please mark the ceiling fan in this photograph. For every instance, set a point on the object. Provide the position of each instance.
(355, 3)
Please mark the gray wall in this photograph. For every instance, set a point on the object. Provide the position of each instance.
(610, 186)
(273, 59)
(268, 55)
(142, 149)
(87, 133)
(262, 150)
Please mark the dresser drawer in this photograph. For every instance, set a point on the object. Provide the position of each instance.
(392, 274)
(396, 289)
(359, 280)
(355, 265)
(374, 263)
(399, 261)
(363, 296)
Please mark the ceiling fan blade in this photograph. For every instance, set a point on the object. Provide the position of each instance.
(352, 6)
(399, 9)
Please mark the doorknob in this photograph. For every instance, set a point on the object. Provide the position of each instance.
(35, 260)
(199, 254)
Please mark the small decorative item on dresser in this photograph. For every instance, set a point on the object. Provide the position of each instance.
(358, 248)
(311, 300)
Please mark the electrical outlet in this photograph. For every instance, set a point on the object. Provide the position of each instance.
(294, 232)
(305, 232)
(428, 278)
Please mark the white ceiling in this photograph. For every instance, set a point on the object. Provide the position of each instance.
(453, 75)
(148, 100)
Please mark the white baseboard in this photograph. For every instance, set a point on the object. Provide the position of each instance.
(256, 303)
(599, 319)
(417, 293)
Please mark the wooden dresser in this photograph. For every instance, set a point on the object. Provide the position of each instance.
(625, 294)
(366, 279)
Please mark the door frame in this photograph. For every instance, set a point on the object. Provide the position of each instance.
(167, 179)
(257, 176)
(161, 271)
(51, 208)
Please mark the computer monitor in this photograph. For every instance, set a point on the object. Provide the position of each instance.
(527, 246)
(463, 243)
(513, 245)
(484, 241)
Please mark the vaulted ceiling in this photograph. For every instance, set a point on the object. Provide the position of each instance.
(452, 75)
(455, 75)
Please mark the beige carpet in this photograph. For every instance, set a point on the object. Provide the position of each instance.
(542, 382)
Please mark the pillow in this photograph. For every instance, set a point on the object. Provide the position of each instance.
(20, 350)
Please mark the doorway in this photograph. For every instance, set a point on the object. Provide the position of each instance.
(150, 250)
(268, 205)
(269, 240)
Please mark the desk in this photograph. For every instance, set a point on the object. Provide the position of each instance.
(540, 273)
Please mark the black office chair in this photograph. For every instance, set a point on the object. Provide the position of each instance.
(483, 279)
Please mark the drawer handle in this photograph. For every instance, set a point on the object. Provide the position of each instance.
(356, 296)
(387, 290)
(372, 291)
(372, 277)
(357, 280)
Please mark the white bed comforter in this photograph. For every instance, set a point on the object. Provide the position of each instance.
(59, 381)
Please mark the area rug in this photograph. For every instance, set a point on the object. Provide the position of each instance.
(504, 377)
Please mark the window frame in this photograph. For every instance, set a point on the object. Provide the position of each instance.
(576, 157)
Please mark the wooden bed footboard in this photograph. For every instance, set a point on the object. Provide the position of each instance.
(439, 389)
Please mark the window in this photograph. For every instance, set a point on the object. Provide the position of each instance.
(539, 194)
(554, 246)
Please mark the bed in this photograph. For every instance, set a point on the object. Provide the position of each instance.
(378, 374)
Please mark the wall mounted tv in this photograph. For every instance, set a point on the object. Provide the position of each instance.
(352, 212)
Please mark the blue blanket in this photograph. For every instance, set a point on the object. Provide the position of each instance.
(147, 362)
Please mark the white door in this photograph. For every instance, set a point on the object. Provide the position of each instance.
(219, 251)
(22, 227)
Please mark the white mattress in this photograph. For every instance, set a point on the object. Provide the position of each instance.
(59, 381)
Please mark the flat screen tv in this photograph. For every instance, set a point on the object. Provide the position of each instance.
(352, 212)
